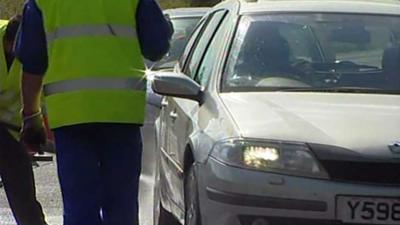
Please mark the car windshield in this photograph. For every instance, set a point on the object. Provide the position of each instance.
(315, 52)
(183, 27)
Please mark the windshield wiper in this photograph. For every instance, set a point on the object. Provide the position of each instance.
(342, 90)
(345, 65)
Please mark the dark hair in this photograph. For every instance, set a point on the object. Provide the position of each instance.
(12, 27)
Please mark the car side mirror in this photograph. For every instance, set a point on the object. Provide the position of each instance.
(176, 85)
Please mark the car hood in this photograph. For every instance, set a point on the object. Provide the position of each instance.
(366, 123)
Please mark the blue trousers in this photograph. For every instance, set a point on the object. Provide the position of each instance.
(99, 167)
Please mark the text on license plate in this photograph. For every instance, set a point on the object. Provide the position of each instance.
(368, 210)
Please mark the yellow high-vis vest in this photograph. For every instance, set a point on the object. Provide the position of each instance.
(96, 72)
(10, 102)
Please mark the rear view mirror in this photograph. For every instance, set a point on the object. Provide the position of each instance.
(176, 85)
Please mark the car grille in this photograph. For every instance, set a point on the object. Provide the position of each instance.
(363, 172)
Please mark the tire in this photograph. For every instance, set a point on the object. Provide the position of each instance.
(192, 211)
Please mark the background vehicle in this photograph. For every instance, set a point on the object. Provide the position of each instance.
(283, 112)
(184, 21)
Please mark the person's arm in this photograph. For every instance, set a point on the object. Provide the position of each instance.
(31, 93)
(31, 50)
(154, 31)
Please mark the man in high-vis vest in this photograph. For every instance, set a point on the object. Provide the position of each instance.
(15, 164)
(87, 56)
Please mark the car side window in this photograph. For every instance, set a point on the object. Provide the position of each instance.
(198, 51)
(191, 42)
(207, 65)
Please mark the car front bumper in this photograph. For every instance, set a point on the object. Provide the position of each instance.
(235, 196)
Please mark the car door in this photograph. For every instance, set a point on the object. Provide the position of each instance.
(168, 166)
(183, 114)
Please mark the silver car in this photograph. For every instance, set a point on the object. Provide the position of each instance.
(184, 21)
(283, 113)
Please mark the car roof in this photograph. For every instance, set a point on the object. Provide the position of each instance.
(187, 12)
(385, 7)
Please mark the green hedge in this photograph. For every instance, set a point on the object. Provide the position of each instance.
(9, 8)
(166, 4)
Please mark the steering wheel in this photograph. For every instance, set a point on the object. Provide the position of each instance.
(304, 70)
(242, 80)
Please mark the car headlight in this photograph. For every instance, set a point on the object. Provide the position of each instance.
(276, 157)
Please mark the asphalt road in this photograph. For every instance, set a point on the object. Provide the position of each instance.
(49, 195)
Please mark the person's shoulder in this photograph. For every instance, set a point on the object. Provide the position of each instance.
(31, 9)
(31, 5)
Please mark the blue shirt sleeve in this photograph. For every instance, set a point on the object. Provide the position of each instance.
(31, 47)
(154, 31)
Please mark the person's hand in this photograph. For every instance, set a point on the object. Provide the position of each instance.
(303, 65)
(33, 133)
(305, 69)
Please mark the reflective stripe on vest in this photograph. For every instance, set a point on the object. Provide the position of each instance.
(133, 84)
(92, 30)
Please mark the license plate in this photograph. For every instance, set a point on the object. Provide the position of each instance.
(367, 210)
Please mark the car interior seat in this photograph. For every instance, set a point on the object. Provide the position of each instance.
(266, 51)
(391, 66)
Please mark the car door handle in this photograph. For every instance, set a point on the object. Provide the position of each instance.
(173, 115)
(164, 103)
